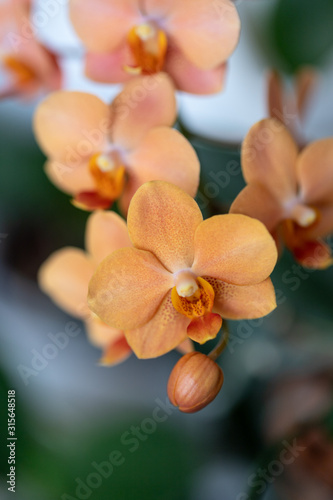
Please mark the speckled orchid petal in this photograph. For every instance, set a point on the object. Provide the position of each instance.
(105, 233)
(269, 156)
(100, 334)
(128, 287)
(243, 302)
(234, 248)
(165, 331)
(109, 67)
(206, 31)
(64, 276)
(71, 180)
(72, 126)
(163, 219)
(145, 102)
(255, 201)
(103, 24)
(315, 172)
(116, 353)
(164, 154)
(190, 78)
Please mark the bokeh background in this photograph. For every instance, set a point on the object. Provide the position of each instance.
(72, 414)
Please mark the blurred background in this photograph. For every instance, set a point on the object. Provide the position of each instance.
(86, 431)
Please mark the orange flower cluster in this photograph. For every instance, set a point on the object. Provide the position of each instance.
(167, 279)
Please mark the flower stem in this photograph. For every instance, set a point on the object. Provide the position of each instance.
(219, 348)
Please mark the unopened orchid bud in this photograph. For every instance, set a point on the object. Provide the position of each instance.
(194, 382)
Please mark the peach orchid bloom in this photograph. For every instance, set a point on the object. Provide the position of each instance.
(290, 191)
(183, 273)
(189, 39)
(65, 276)
(26, 66)
(100, 153)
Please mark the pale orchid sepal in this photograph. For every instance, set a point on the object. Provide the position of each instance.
(290, 191)
(183, 273)
(100, 153)
(190, 40)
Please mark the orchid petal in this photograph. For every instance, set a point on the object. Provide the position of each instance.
(64, 276)
(234, 248)
(102, 24)
(128, 287)
(109, 67)
(164, 154)
(206, 32)
(163, 219)
(269, 156)
(165, 331)
(105, 233)
(145, 102)
(100, 334)
(71, 180)
(116, 353)
(72, 125)
(315, 171)
(255, 201)
(190, 78)
(243, 302)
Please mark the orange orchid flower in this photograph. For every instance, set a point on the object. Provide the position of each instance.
(290, 191)
(183, 273)
(65, 276)
(26, 66)
(101, 153)
(189, 39)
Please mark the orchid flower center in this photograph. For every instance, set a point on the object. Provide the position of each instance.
(21, 73)
(192, 296)
(148, 44)
(108, 174)
(303, 215)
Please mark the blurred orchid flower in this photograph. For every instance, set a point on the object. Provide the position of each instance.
(189, 39)
(290, 105)
(65, 276)
(183, 273)
(290, 191)
(101, 153)
(26, 66)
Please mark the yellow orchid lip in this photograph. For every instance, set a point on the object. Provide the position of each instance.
(108, 174)
(192, 297)
(149, 45)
